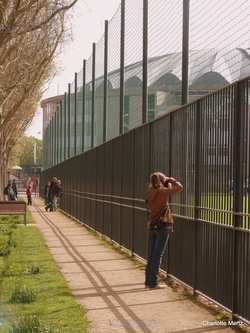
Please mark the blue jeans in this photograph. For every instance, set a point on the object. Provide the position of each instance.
(157, 242)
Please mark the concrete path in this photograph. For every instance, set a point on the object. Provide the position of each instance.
(111, 287)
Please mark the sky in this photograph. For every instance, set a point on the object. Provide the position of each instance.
(87, 28)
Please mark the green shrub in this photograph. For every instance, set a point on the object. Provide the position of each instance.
(6, 231)
(10, 243)
(4, 218)
(31, 324)
(34, 268)
(4, 249)
(22, 294)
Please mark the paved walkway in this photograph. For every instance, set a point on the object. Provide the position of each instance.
(111, 287)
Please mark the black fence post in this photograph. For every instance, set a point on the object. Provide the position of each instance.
(75, 116)
(105, 92)
(69, 120)
(238, 165)
(61, 130)
(145, 63)
(57, 135)
(65, 125)
(238, 162)
(83, 102)
(93, 96)
(185, 52)
(122, 62)
(197, 180)
(52, 143)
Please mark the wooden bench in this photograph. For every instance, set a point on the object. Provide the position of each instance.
(13, 208)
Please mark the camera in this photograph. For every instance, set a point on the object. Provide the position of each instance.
(165, 183)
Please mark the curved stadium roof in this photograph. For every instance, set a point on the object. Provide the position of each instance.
(207, 68)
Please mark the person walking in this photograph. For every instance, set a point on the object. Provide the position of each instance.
(157, 196)
(55, 192)
(46, 192)
(50, 203)
(29, 195)
(14, 187)
(8, 190)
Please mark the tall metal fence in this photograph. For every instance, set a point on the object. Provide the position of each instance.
(205, 144)
(152, 56)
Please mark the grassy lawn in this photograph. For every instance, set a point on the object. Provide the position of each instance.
(218, 208)
(34, 296)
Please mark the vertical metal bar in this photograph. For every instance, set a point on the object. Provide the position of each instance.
(122, 64)
(145, 63)
(42, 150)
(65, 126)
(170, 140)
(197, 180)
(111, 199)
(238, 162)
(57, 135)
(46, 154)
(93, 95)
(132, 239)
(185, 51)
(75, 116)
(237, 186)
(105, 92)
(248, 150)
(170, 144)
(122, 67)
(50, 144)
(83, 102)
(52, 141)
(69, 124)
(230, 151)
(61, 130)
(48, 149)
(224, 153)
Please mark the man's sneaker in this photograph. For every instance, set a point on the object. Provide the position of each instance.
(158, 286)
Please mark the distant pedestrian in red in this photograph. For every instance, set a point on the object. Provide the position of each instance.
(29, 194)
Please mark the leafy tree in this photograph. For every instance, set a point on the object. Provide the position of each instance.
(31, 34)
(26, 154)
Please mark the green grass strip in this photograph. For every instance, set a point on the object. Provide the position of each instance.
(33, 291)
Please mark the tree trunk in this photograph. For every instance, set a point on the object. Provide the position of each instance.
(3, 168)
